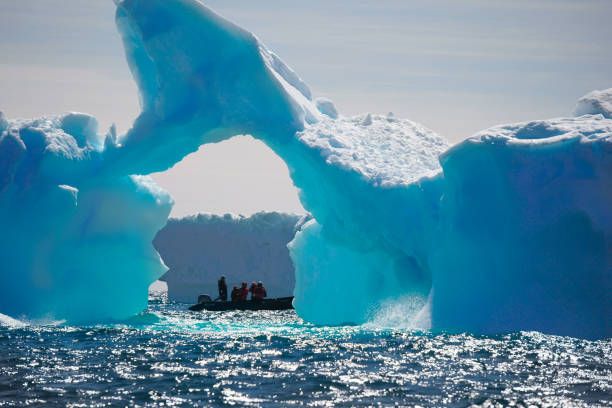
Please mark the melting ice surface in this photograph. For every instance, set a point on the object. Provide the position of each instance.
(510, 230)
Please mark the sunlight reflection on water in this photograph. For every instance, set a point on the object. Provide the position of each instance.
(169, 356)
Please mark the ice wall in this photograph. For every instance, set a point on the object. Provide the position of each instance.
(525, 240)
(199, 249)
(74, 243)
(373, 188)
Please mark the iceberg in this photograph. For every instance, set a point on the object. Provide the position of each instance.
(199, 249)
(509, 230)
(75, 244)
(525, 239)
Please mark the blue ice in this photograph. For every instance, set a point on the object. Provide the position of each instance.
(509, 230)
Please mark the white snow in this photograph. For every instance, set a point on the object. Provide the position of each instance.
(385, 151)
(586, 128)
(326, 106)
(594, 103)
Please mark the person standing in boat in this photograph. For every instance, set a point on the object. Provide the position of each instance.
(222, 288)
(259, 293)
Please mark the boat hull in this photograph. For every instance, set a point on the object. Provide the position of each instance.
(285, 303)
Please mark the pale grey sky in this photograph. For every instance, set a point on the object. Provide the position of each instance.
(456, 66)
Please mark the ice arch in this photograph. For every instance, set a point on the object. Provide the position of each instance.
(389, 221)
(203, 79)
(78, 214)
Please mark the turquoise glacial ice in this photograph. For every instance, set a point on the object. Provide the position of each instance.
(509, 230)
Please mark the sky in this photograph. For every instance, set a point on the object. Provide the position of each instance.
(457, 67)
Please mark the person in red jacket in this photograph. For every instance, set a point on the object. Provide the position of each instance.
(244, 291)
(260, 292)
(236, 293)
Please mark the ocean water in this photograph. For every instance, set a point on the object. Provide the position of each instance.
(169, 356)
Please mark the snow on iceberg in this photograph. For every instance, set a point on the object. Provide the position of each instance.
(199, 249)
(596, 102)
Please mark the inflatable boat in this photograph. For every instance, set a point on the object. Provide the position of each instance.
(284, 303)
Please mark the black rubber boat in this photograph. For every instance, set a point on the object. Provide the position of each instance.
(284, 303)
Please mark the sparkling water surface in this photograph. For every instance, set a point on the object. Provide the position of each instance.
(169, 356)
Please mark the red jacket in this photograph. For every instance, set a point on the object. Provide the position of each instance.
(259, 292)
(244, 292)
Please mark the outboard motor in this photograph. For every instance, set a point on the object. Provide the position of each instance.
(204, 298)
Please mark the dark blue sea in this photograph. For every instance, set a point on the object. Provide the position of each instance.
(171, 357)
